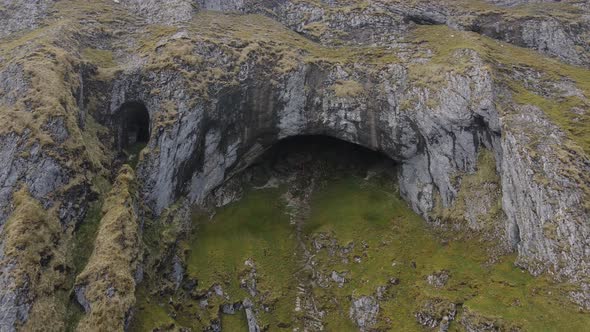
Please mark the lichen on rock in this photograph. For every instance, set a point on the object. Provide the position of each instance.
(482, 104)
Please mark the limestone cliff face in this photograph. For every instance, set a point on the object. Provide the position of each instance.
(418, 81)
(548, 29)
(20, 15)
(167, 12)
(536, 206)
(219, 137)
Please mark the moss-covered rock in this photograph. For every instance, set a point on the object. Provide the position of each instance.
(106, 286)
(223, 87)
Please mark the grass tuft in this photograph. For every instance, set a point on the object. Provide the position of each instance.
(108, 277)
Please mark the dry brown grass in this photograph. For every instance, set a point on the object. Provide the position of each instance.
(109, 274)
(33, 239)
(348, 88)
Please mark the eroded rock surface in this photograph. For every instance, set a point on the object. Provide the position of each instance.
(364, 311)
(418, 81)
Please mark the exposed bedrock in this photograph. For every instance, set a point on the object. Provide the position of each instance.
(164, 12)
(380, 21)
(36, 159)
(544, 195)
(435, 135)
(562, 35)
(217, 103)
(209, 141)
(19, 15)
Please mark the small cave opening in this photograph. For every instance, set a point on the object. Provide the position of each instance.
(135, 129)
(136, 124)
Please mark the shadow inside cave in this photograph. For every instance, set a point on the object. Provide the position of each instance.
(314, 235)
(317, 156)
(135, 130)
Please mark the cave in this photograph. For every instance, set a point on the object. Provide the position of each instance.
(308, 154)
(306, 205)
(135, 125)
(166, 168)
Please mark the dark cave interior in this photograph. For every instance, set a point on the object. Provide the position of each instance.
(136, 124)
(313, 154)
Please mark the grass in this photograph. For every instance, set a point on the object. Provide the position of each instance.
(235, 323)
(101, 58)
(561, 111)
(348, 89)
(32, 232)
(32, 240)
(246, 229)
(398, 235)
(255, 228)
(150, 314)
(516, 297)
(111, 268)
(134, 153)
(390, 240)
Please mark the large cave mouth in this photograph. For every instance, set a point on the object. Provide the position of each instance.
(314, 235)
(136, 124)
(318, 156)
(308, 216)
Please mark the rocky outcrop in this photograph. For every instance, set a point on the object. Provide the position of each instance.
(434, 131)
(364, 311)
(250, 317)
(345, 23)
(436, 313)
(539, 201)
(511, 3)
(39, 136)
(474, 322)
(16, 16)
(438, 279)
(21, 161)
(219, 94)
(42, 174)
(13, 307)
(161, 12)
(224, 5)
(385, 22)
(414, 136)
(554, 36)
(557, 38)
(32, 264)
